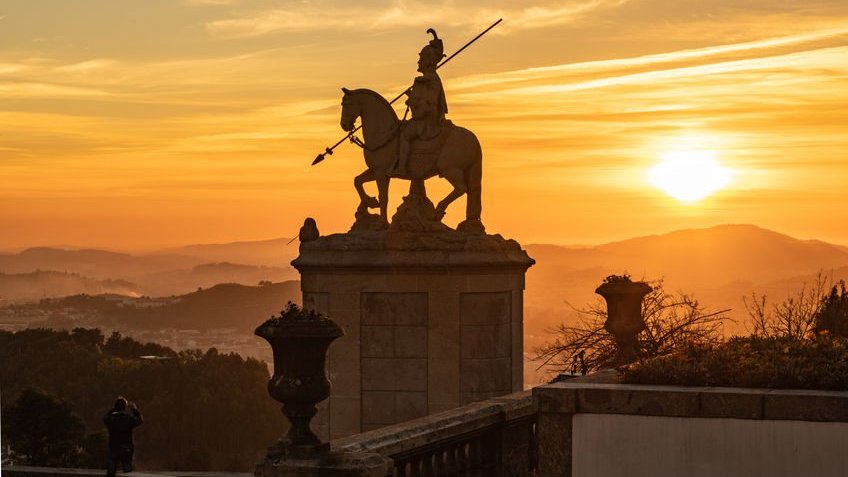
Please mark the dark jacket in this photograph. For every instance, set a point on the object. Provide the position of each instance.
(121, 425)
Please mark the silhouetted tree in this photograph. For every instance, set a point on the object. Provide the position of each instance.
(126, 347)
(673, 322)
(41, 430)
(89, 338)
(832, 316)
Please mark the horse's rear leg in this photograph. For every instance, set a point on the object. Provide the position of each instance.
(474, 177)
(365, 200)
(383, 194)
(457, 179)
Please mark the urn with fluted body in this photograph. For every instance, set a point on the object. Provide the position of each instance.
(299, 339)
(624, 314)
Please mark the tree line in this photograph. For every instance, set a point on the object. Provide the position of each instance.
(203, 410)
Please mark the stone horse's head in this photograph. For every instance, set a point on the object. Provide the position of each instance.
(351, 110)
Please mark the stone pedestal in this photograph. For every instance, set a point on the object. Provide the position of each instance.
(432, 321)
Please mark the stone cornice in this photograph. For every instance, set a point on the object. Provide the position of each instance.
(398, 253)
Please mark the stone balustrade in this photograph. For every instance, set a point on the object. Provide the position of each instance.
(495, 437)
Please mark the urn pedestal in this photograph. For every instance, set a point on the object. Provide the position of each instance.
(299, 340)
(432, 321)
(624, 315)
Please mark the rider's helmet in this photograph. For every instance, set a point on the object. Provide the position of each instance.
(432, 53)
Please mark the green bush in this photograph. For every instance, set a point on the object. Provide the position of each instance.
(752, 362)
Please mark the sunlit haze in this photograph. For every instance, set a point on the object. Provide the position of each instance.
(689, 175)
(137, 125)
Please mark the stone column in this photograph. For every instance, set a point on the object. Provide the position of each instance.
(432, 321)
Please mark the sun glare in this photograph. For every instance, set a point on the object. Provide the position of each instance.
(689, 175)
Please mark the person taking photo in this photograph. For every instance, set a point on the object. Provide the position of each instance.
(121, 420)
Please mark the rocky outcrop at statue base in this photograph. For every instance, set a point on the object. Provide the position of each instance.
(417, 214)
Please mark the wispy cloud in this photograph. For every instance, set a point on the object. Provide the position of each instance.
(88, 65)
(211, 2)
(758, 48)
(311, 17)
(46, 90)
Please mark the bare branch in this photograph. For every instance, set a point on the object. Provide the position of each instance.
(672, 323)
(794, 316)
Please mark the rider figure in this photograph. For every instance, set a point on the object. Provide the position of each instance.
(426, 101)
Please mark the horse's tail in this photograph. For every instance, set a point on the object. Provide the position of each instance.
(473, 183)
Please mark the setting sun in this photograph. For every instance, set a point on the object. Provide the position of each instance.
(689, 175)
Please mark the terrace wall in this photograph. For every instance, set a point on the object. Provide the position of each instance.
(598, 430)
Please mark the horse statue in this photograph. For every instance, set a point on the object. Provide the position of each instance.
(454, 154)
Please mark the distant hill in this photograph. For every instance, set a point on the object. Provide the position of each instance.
(719, 265)
(271, 253)
(97, 264)
(708, 257)
(227, 305)
(42, 284)
(206, 275)
(99, 271)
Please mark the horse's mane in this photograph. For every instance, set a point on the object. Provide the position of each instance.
(380, 99)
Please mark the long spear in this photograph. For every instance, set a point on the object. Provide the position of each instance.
(329, 150)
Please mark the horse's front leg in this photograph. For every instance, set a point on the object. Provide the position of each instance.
(365, 200)
(383, 194)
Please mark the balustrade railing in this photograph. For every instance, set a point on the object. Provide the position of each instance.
(493, 438)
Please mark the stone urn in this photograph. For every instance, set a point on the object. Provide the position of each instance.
(624, 314)
(300, 339)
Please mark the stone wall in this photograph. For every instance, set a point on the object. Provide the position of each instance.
(598, 429)
(393, 344)
(486, 345)
(654, 446)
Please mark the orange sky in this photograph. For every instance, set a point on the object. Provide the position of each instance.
(135, 125)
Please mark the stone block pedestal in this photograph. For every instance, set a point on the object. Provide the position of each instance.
(432, 321)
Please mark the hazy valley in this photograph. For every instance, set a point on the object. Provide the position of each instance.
(719, 265)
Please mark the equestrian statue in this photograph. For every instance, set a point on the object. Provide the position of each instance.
(423, 146)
